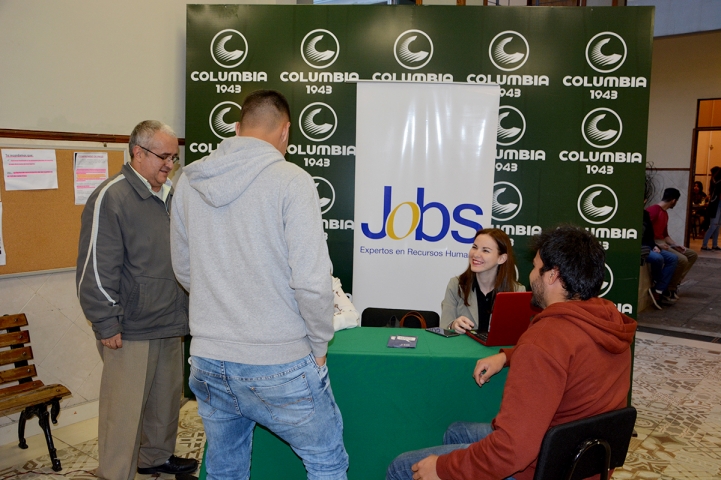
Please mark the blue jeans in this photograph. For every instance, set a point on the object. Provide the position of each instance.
(662, 267)
(293, 400)
(459, 435)
(713, 229)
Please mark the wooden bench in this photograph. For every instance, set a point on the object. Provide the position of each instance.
(31, 397)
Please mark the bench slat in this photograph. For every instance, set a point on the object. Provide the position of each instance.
(9, 321)
(15, 338)
(17, 373)
(16, 355)
(20, 388)
(16, 403)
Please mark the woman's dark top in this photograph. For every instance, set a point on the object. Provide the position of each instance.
(485, 306)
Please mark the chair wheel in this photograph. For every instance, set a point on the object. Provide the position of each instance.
(56, 466)
(23, 445)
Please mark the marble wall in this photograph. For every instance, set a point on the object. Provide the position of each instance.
(62, 340)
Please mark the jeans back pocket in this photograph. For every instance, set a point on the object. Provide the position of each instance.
(290, 402)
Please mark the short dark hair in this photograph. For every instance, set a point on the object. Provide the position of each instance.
(263, 107)
(670, 194)
(577, 255)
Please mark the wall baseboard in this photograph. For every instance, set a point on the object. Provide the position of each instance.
(68, 416)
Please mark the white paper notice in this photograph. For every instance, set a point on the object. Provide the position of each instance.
(30, 169)
(91, 169)
(2, 245)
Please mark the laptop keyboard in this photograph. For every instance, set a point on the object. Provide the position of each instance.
(482, 335)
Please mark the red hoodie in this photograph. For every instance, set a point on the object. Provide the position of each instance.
(574, 361)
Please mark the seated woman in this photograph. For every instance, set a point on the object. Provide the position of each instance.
(470, 296)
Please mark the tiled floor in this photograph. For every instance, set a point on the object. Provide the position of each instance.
(77, 447)
(677, 391)
(698, 311)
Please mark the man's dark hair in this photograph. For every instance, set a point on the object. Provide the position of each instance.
(262, 107)
(670, 194)
(578, 256)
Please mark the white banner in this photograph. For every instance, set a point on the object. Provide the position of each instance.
(425, 157)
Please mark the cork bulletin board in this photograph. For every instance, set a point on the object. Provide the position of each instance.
(41, 228)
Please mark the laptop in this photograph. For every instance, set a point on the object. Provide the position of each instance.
(512, 314)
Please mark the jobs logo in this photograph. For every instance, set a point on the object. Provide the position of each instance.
(597, 204)
(607, 284)
(229, 48)
(320, 48)
(408, 217)
(601, 127)
(511, 125)
(508, 50)
(326, 194)
(606, 52)
(222, 119)
(318, 121)
(413, 49)
(507, 201)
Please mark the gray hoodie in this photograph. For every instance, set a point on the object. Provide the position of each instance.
(247, 242)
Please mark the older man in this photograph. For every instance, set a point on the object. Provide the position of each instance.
(554, 370)
(138, 311)
(247, 240)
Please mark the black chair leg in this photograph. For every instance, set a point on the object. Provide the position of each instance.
(21, 429)
(54, 410)
(44, 418)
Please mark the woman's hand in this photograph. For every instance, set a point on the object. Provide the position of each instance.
(461, 324)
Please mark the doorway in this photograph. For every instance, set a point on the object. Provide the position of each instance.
(706, 154)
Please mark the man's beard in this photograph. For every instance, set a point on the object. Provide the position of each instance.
(538, 289)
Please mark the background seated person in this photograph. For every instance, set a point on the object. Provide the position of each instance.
(470, 296)
(573, 362)
(685, 256)
(663, 264)
(345, 314)
(698, 197)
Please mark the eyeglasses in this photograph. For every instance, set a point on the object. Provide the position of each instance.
(164, 157)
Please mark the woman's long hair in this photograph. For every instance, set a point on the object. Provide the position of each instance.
(506, 275)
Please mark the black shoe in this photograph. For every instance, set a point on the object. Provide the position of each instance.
(715, 248)
(173, 465)
(705, 248)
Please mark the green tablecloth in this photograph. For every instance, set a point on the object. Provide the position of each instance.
(392, 400)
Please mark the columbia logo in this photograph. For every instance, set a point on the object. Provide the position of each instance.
(601, 127)
(511, 125)
(597, 204)
(318, 121)
(508, 50)
(222, 119)
(413, 49)
(229, 48)
(320, 48)
(606, 52)
(507, 201)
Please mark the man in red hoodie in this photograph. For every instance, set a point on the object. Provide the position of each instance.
(573, 362)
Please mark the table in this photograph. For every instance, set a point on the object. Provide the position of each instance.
(392, 400)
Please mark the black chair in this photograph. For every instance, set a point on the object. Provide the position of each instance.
(391, 317)
(586, 447)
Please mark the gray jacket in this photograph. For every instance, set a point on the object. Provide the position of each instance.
(124, 274)
(247, 242)
(453, 307)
